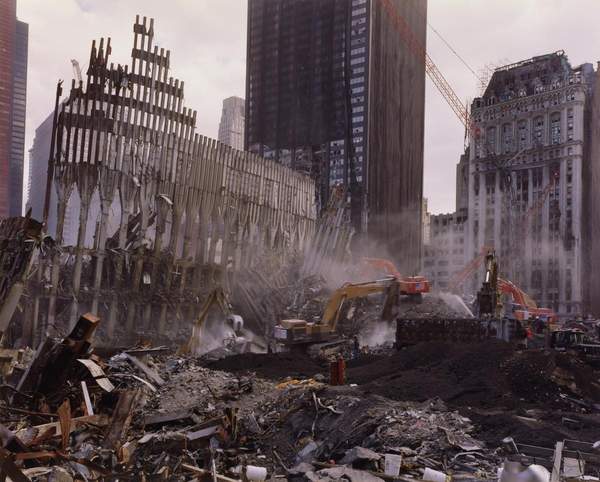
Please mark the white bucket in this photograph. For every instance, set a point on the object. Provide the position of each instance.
(256, 473)
(393, 462)
(431, 475)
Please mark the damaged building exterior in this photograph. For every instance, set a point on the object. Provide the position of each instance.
(444, 253)
(328, 85)
(189, 211)
(527, 191)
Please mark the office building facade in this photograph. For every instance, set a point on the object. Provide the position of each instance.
(333, 90)
(527, 177)
(231, 127)
(13, 91)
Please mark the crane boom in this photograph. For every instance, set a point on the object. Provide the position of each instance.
(461, 276)
(434, 73)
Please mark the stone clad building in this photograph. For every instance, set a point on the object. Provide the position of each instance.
(526, 192)
(444, 254)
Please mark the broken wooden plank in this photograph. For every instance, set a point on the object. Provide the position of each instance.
(99, 420)
(154, 377)
(64, 412)
(205, 472)
(164, 418)
(121, 418)
(99, 376)
(89, 409)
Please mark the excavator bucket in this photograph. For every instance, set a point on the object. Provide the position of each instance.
(213, 326)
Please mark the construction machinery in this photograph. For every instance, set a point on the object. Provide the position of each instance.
(464, 274)
(226, 332)
(576, 341)
(525, 308)
(301, 333)
(487, 296)
(409, 286)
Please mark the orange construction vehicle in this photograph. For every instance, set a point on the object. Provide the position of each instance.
(526, 308)
(410, 286)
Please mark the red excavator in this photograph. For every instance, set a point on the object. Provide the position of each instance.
(525, 307)
(410, 286)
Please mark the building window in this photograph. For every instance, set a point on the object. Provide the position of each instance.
(570, 125)
(507, 138)
(555, 128)
(522, 128)
(490, 139)
(538, 131)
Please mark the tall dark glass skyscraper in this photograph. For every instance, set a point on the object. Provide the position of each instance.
(332, 89)
(13, 89)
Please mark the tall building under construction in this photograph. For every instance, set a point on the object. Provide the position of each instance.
(529, 178)
(334, 90)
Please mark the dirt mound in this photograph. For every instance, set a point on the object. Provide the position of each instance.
(275, 366)
(456, 373)
(484, 375)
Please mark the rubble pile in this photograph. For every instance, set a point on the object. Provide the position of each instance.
(147, 415)
(343, 426)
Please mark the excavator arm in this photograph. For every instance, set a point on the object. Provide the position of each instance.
(518, 295)
(215, 297)
(350, 291)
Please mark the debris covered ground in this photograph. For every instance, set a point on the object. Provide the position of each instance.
(151, 414)
(80, 408)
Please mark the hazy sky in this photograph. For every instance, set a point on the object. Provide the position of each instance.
(207, 39)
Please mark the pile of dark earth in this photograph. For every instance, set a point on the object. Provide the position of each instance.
(531, 395)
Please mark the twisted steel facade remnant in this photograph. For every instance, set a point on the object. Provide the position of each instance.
(188, 208)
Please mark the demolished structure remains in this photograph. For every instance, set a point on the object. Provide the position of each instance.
(189, 209)
(207, 324)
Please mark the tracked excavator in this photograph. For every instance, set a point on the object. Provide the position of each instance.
(489, 302)
(322, 336)
(414, 286)
(226, 330)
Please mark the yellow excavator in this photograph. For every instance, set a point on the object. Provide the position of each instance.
(229, 326)
(300, 333)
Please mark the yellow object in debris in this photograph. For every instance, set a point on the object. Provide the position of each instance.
(294, 383)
